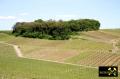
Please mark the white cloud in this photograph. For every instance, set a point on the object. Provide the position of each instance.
(22, 20)
(7, 17)
(24, 14)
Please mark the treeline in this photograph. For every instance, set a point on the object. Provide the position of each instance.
(51, 29)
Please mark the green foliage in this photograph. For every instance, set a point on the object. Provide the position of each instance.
(51, 29)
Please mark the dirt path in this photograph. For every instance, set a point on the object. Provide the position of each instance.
(19, 54)
(16, 48)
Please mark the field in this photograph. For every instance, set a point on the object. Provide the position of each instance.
(12, 67)
(86, 50)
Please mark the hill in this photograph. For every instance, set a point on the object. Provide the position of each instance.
(86, 50)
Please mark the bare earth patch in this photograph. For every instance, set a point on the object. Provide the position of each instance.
(53, 54)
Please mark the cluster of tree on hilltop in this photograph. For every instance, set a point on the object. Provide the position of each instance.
(51, 29)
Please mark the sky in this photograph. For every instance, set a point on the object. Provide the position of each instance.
(105, 11)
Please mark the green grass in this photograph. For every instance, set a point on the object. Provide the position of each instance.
(9, 32)
(6, 37)
(115, 32)
(100, 35)
(12, 67)
(31, 47)
(79, 57)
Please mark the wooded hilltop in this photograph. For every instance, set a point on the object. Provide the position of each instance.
(55, 30)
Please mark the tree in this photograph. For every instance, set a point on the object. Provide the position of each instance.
(51, 29)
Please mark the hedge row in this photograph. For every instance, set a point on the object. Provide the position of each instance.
(58, 30)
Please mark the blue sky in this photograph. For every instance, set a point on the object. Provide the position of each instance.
(106, 11)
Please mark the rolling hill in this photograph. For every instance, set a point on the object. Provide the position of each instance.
(77, 58)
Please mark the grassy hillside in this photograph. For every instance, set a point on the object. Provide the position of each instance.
(12, 67)
(92, 48)
(115, 32)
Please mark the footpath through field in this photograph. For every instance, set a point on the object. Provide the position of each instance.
(115, 49)
(19, 54)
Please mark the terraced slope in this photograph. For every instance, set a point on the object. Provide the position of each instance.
(101, 57)
(100, 36)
